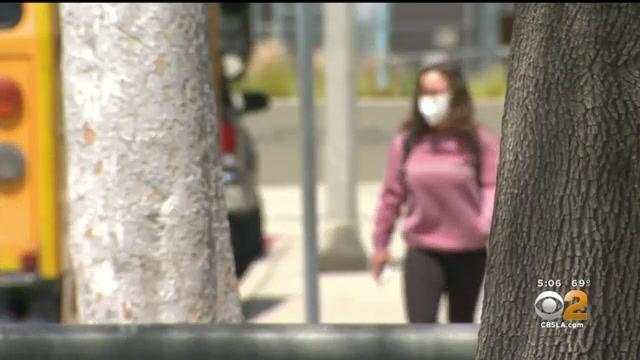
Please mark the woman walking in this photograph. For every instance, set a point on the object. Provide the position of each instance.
(441, 168)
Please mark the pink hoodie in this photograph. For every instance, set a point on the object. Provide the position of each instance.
(445, 209)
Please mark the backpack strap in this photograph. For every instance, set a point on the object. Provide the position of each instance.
(407, 145)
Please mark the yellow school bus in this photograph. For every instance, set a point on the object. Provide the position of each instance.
(29, 112)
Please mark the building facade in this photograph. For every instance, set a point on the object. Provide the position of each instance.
(473, 31)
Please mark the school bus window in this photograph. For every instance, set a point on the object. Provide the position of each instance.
(10, 14)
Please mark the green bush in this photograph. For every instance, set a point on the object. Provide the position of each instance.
(490, 83)
(278, 79)
(401, 82)
(273, 71)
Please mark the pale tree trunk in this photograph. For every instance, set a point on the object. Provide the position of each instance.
(568, 199)
(147, 231)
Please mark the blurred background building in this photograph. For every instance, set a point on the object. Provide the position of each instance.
(411, 29)
(393, 40)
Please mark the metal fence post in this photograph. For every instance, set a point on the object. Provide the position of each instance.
(304, 47)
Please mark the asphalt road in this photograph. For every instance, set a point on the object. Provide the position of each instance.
(277, 136)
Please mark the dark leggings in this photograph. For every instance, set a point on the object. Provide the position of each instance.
(427, 274)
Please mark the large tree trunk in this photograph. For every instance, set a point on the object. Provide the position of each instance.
(568, 200)
(147, 228)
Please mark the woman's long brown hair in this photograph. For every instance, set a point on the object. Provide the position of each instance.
(460, 118)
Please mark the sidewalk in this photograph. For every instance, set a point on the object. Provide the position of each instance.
(273, 289)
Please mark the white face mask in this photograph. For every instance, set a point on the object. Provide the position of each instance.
(434, 108)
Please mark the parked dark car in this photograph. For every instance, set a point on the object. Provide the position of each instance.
(239, 161)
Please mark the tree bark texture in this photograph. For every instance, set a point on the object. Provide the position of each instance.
(147, 228)
(568, 197)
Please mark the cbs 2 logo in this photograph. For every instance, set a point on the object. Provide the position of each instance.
(549, 305)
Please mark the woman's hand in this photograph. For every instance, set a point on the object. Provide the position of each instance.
(378, 262)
